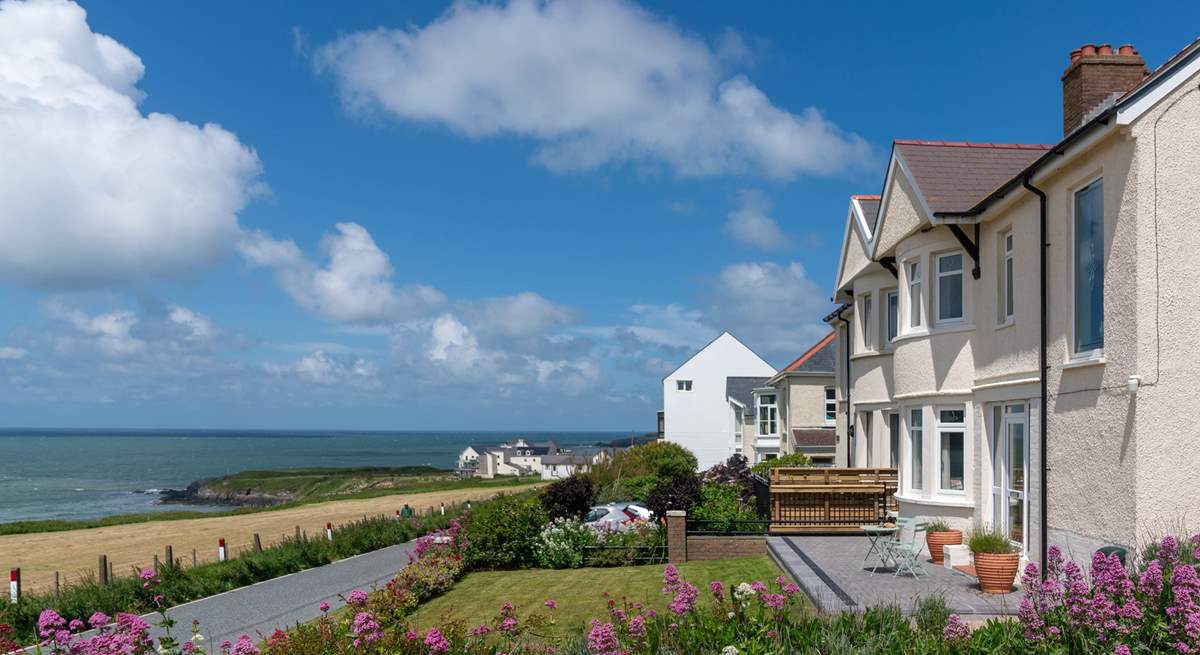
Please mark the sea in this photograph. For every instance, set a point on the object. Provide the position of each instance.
(85, 474)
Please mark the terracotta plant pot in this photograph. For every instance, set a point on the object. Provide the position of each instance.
(996, 572)
(935, 541)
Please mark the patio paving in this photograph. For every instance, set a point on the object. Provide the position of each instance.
(830, 570)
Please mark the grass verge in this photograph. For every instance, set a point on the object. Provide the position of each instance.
(578, 592)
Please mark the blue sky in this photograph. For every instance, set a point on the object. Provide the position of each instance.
(408, 215)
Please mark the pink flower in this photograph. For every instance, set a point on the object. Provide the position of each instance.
(244, 646)
(76, 625)
(602, 639)
(98, 620)
(366, 628)
(436, 642)
(718, 590)
(685, 599)
(955, 629)
(324, 607)
(637, 626)
(481, 630)
(509, 624)
(774, 601)
(551, 604)
(357, 598)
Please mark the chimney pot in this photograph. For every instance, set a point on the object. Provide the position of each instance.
(1127, 50)
(1094, 77)
(1105, 49)
(1075, 54)
(1088, 49)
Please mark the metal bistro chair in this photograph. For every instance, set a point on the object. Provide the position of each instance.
(886, 547)
(906, 553)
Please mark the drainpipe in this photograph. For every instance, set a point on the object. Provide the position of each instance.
(1042, 368)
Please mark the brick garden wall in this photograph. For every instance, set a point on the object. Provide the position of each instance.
(720, 547)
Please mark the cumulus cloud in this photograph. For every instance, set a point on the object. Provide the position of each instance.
(325, 368)
(355, 286)
(774, 308)
(751, 223)
(11, 353)
(525, 314)
(108, 333)
(594, 83)
(95, 192)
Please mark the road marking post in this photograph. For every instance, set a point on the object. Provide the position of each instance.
(329, 531)
(443, 509)
(221, 550)
(14, 586)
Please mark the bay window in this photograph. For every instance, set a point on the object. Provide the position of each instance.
(768, 416)
(915, 316)
(1088, 268)
(916, 449)
(893, 316)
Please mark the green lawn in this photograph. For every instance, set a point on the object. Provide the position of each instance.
(478, 596)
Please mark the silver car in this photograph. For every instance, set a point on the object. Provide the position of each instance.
(617, 516)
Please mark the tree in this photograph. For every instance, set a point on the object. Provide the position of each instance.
(680, 491)
(569, 498)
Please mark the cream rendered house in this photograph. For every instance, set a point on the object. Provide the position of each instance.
(806, 394)
(1001, 279)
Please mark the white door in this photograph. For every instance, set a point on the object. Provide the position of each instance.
(1010, 461)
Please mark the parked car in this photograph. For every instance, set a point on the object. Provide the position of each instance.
(617, 516)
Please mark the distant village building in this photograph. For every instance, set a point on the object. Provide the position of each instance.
(545, 459)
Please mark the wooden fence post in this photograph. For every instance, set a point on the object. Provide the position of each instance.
(14, 586)
(57, 589)
(297, 534)
(103, 569)
(170, 555)
(257, 543)
(156, 564)
(193, 558)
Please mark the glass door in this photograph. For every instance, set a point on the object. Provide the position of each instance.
(1010, 460)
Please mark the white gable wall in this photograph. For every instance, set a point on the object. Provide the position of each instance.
(700, 419)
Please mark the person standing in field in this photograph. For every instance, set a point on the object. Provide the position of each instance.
(406, 512)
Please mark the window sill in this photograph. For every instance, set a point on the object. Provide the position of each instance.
(1006, 323)
(866, 354)
(946, 329)
(938, 501)
(1084, 362)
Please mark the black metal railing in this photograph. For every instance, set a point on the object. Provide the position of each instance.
(624, 555)
(727, 527)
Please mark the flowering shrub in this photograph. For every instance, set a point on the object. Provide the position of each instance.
(1156, 609)
(561, 544)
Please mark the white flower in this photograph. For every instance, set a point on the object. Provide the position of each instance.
(197, 637)
(730, 615)
(729, 650)
(744, 592)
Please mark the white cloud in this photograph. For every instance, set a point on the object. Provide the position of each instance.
(109, 333)
(751, 223)
(525, 314)
(354, 287)
(197, 328)
(323, 368)
(594, 83)
(10, 353)
(775, 309)
(94, 192)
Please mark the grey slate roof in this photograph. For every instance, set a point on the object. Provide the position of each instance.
(870, 209)
(818, 359)
(742, 389)
(955, 175)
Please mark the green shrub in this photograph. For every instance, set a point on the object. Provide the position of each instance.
(677, 492)
(990, 541)
(562, 544)
(503, 533)
(644, 539)
(763, 468)
(626, 489)
(930, 615)
(723, 504)
(937, 525)
(662, 459)
(569, 498)
(733, 471)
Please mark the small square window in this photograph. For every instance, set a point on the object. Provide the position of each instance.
(683, 385)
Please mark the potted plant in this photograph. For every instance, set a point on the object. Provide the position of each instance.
(996, 559)
(938, 533)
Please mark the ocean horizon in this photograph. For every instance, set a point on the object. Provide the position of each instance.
(76, 474)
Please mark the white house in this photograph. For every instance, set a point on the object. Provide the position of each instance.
(696, 407)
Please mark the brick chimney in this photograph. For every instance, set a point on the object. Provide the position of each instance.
(1096, 76)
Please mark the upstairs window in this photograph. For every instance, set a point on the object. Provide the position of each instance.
(893, 315)
(683, 385)
(950, 287)
(865, 322)
(914, 294)
(1006, 278)
(1089, 268)
(768, 416)
(830, 406)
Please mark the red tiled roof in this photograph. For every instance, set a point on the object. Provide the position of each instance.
(808, 354)
(954, 175)
(861, 196)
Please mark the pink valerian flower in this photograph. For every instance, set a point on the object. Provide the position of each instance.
(507, 609)
(365, 628)
(718, 590)
(758, 586)
(75, 625)
(357, 598)
(618, 615)
(436, 642)
(508, 624)
(773, 601)
(790, 589)
(551, 604)
(481, 630)
(50, 622)
(685, 599)
(1122, 649)
(188, 648)
(149, 577)
(956, 629)
(671, 579)
(226, 646)
(602, 639)
(98, 620)
(411, 635)
(637, 626)
(244, 646)
(324, 607)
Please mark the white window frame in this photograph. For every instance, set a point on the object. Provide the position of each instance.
(916, 444)
(830, 405)
(1000, 490)
(683, 385)
(772, 418)
(867, 420)
(1095, 353)
(1007, 300)
(865, 322)
(941, 428)
(891, 323)
(937, 287)
(916, 304)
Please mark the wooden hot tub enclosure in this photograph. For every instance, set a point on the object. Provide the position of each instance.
(830, 499)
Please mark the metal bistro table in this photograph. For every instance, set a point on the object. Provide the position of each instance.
(878, 535)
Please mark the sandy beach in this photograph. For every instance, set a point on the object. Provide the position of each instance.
(75, 552)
